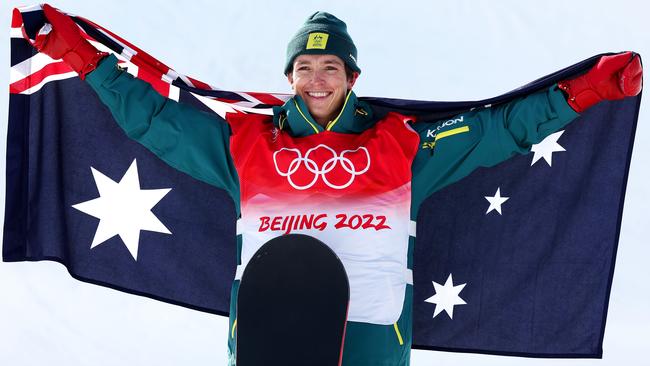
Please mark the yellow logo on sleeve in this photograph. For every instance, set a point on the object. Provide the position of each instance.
(317, 41)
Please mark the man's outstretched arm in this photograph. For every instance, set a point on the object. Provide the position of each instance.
(190, 140)
(452, 149)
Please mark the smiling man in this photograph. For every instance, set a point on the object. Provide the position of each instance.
(323, 82)
(327, 165)
(322, 66)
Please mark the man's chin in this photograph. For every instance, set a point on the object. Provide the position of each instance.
(317, 112)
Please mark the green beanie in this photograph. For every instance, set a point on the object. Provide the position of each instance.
(322, 34)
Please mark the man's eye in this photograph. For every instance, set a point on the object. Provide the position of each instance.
(303, 68)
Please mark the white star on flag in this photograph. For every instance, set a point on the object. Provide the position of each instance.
(496, 201)
(546, 148)
(123, 209)
(446, 297)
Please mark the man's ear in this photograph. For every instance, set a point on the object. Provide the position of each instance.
(352, 79)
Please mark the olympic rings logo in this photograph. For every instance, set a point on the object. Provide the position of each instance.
(329, 165)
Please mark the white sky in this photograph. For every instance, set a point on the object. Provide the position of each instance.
(454, 50)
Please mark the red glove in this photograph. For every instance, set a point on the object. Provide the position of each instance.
(62, 39)
(613, 77)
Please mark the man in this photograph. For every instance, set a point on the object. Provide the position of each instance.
(329, 166)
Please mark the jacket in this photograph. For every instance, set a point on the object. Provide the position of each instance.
(356, 184)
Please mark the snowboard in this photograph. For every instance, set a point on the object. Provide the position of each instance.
(292, 305)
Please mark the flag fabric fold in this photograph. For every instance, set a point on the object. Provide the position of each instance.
(516, 259)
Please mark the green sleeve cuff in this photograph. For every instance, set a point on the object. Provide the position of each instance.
(103, 70)
(560, 104)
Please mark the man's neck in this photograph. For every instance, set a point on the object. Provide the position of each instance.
(323, 122)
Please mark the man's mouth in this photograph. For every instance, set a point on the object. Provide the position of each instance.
(318, 94)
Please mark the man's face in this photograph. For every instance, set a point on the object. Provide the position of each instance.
(320, 80)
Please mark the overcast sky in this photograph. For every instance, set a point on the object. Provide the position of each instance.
(454, 50)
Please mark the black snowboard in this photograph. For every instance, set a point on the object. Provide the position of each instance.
(292, 304)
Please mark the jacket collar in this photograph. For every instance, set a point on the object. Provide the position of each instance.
(293, 116)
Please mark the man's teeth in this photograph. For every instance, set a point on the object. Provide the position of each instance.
(318, 94)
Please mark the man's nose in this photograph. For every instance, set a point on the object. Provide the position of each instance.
(318, 75)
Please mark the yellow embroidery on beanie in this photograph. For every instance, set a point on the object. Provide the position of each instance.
(317, 41)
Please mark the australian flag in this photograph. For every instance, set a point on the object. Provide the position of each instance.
(515, 259)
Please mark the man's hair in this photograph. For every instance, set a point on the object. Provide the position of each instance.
(348, 72)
